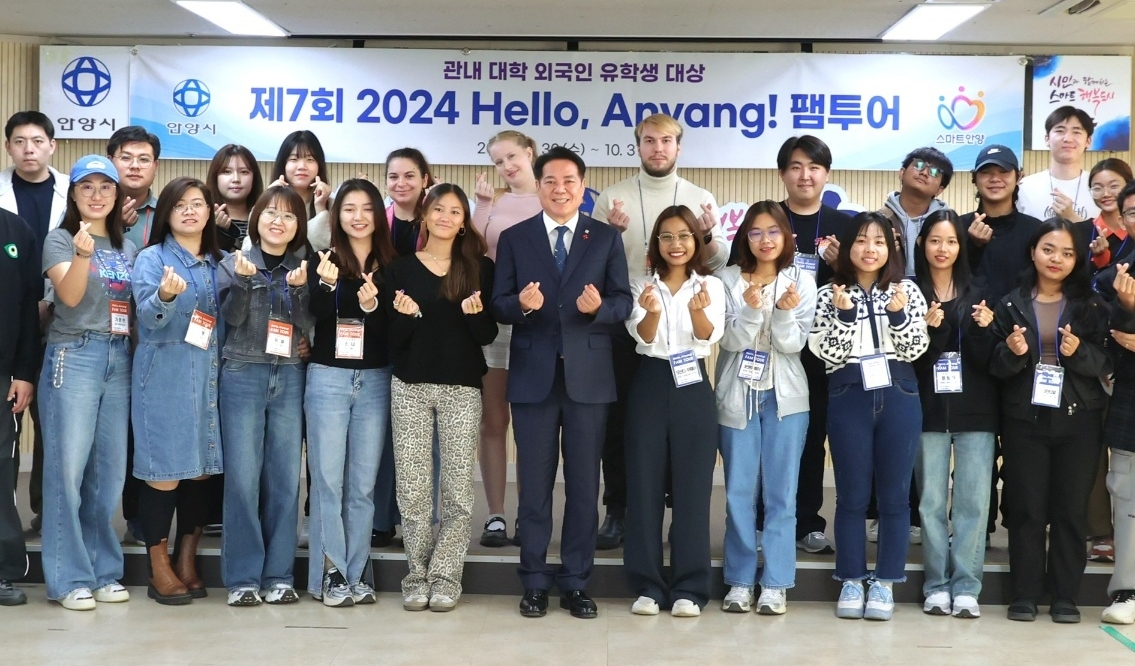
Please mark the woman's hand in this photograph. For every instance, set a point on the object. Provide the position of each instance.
(472, 305)
(171, 285)
(404, 304)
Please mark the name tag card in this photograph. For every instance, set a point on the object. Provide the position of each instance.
(948, 373)
(279, 338)
(349, 339)
(120, 317)
(753, 365)
(875, 371)
(809, 263)
(1048, 380)
(200, 331)
(684, 366)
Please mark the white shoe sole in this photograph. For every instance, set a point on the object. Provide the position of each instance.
(646, 609)
(736, 606)
(769, 609)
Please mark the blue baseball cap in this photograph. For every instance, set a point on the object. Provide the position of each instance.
(92, 164)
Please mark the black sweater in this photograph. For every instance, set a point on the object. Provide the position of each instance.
(19, 299)
(808, 228)
(976, 408)
(376, 346)
(443, 346)
(1001, 261)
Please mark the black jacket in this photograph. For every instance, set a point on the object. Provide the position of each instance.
(1082, 370)
(19, 299)
(1001, 261)
(976, 408)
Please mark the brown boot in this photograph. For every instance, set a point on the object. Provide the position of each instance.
(186, 565)
(165, 587)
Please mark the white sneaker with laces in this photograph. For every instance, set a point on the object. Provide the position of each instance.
(772, 602)
(112, 593)
(685, 608)
(873, 531)
(78, 600)
(280, 593)
(739, 599)
(965, 607)
(644, 606)
(415, 602)
(880, 601)
(362, 593)
(849, 606)
(336, 592)
(1122, 608)
(938, 603)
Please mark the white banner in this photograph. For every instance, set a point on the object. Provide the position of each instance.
(85, 90)
(737, 109)
(1100, 85)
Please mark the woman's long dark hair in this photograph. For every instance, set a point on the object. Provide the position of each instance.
(415, 156)
(654, 252)
(381, 248)
(1078, 284)
(891, 271)
(960, 271)
(114, 225)
(171, 194)
(464, 276)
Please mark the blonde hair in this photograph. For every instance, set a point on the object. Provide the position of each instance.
(519, 138)
(663, 123)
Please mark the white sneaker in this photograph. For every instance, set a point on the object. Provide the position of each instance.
(873, 531)
(1122, 608)
(280, 593)
(772, 602)
(336, 592)
(644, 606)
(244, 596)
(739, 599)
(965, 607)
(304, 537)
(850, 603)
(442, 603)
(880, 601)
(915, 536)
(78, 600)
(112, 593)
(415, 602)
(685, 608)
(362, 593)
(938, 603)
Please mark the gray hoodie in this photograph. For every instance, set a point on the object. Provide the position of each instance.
(907, 227)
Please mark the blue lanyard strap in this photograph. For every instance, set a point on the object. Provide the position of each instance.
(272, 287)
(815, 234)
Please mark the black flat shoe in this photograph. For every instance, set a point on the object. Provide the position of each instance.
(534, 603)
(610, 533)
(579, 604)
(1064, 611)
(381, 538)
(1022, 610)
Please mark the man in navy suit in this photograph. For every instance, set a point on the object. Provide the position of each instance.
(561, 281)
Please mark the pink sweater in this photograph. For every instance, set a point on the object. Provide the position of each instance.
(492, 217)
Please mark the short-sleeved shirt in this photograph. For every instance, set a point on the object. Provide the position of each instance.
(109, 279)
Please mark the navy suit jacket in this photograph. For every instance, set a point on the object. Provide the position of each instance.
(596, 257)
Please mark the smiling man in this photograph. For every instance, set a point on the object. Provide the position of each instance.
(925, 173)
(1062, 190)
(135, 154)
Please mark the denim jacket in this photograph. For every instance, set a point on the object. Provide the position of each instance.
(174, 383)
(248, 303)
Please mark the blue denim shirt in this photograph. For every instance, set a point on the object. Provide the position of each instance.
(248, 303)
(174, 383)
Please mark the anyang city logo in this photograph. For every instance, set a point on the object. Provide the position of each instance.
(963, 112)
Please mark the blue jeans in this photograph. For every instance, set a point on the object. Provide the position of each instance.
(956, 569)
(762, 461)
(84, 394)
(347, 411)
(262, 423)
(873, 435)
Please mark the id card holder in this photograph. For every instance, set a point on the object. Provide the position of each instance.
(279, 338)
(684, 367)
(1048, 380)
(753, 365)
(875, 371)
(809, 263)
(120, 318)
(349, 338)
(200, 332)
(948, 373)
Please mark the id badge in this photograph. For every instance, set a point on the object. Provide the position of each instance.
(1048, 380)
(200, 332)
(810, 263)
(753, 365)
(948, 373)
(120, 318)
(279, 338)
(875, 371)
(684, 367)
(349, 338)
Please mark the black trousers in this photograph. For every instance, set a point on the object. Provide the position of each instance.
(1049, 467)
(672, 438)
(626, 361)
(13, 553)
(810, 487)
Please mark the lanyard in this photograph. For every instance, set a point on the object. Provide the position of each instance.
(1039, 342)
(1076, 199)
(666, 311)
(287, 302)
(815, 235)
(871, 317)
(642, 211)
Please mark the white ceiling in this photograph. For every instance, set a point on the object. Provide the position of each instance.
(1007, 22)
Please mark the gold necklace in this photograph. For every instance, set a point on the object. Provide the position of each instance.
(437, 261)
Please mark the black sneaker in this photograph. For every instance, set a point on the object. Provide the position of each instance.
(381, 538)
(10, 596)
(496, 533)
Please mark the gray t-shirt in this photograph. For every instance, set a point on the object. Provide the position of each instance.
(109, 279)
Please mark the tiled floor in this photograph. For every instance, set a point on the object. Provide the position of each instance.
(488, 630)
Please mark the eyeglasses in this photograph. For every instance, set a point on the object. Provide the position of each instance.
(755, 235)
(666, 239)
(1129, 215)
(184, 208)
(921, 165)
(144, 161)
(272, 214)
(88, 189)
(1100, 190)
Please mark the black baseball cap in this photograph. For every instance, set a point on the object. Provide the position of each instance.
(997, 154)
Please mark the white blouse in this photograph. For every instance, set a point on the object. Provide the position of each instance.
(675, 327)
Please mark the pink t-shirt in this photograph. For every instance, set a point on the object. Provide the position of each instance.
(492, 217)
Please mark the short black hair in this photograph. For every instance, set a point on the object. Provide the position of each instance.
(933, 157)
(812, 146)
(558, 153)
(21, 118)
(1127, 191)
(1068, 111)
(133, 134)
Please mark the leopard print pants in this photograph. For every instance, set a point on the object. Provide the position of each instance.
(436, 562)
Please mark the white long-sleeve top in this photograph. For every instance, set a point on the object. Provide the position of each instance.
(675, 326)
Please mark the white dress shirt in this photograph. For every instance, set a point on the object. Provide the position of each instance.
(675, 326)
(551, 225)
